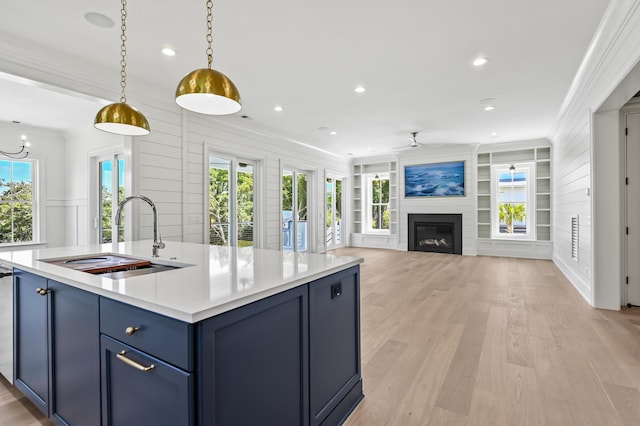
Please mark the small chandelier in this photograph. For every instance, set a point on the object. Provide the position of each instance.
(205, 90)
(121, 118)
(22, 153)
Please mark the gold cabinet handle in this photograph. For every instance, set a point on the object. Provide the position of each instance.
(42, 291)
(130, 331)
(133, 363)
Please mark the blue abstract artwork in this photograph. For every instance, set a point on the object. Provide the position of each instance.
(434, 180)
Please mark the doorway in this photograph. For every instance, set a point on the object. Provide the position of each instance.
(631, 123)
(295, 210)
(333, 220)
(231, 207)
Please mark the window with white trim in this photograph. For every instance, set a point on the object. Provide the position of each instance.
(18, 216)
(110, 193)
(230, 200)
(377, 215)
(513, 207)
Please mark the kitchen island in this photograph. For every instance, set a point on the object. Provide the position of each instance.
(233, 336)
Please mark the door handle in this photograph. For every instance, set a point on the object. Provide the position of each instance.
(131, 363)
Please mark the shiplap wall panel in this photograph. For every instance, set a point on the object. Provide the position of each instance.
(601, 81)
(158, 171)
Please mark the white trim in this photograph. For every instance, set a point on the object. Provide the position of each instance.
(38, 197)
(234, 160)
(582, 286)
(367, 213)
(496, 170)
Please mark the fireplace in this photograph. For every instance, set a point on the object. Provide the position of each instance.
(440, 233)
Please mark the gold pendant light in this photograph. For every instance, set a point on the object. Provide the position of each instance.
(121, 118)
(205, 90)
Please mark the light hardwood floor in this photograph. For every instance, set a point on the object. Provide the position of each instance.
(462, 340)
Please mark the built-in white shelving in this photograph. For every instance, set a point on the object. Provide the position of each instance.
(542, 159)
(360, 170)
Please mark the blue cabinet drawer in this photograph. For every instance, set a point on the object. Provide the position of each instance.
(166, 338)
(138, 389)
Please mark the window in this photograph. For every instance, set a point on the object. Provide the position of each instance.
(513, 208)
(110, 176)
(377, 218)
(231, 202)
(17, 197)
(295, 221)
(333, 230)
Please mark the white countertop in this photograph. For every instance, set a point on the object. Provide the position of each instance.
(217, 279)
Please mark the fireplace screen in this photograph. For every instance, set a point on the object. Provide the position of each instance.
(435, 237)
(440, 233)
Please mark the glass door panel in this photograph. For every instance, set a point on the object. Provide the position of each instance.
(111, 175)
(219, 193)
(294, 211)
(245, 205)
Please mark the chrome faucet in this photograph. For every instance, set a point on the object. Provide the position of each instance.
(157, 240)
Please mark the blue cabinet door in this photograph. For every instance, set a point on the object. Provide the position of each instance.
(75, 355)
(253, 363)
(334, 346)
(31, 347)
(138, 389)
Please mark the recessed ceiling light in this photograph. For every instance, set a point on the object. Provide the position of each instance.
(478, 62)
(489, 108)
(277, 108)
(167, 51)
(98, 19)
(333, 133)
(494, 135)
(360, 89)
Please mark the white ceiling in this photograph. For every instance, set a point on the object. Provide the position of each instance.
(413, 56)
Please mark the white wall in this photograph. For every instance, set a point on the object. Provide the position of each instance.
(80, 144)
(586, 156)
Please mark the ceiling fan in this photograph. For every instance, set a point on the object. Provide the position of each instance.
(412, 144)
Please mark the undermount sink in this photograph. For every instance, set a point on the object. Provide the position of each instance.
(113, 266)
(134, 271)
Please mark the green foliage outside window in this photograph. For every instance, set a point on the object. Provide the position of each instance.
(510, 213)
(107, 213)
(287, 194)
(219, 220)
(16, 207)
(380, 204)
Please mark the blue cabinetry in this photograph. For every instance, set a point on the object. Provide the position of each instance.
(57, 349)
(31, 347)
(138, 389)
(334, 347)
(253, 363)
(289, 359)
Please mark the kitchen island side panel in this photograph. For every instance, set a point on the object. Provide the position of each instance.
(253, 363)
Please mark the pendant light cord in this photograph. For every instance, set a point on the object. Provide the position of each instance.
(123, 51)
(209, 32)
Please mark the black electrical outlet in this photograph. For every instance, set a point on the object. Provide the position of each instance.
(336, 290)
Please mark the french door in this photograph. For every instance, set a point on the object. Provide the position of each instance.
(295, 210)
(333, 219)
(110, 194)
(231, 201)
